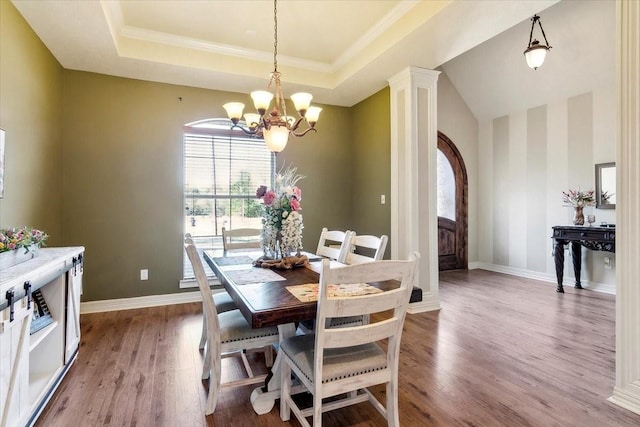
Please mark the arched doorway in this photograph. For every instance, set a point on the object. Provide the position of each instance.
(452, 206)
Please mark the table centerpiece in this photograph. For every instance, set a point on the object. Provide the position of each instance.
(282, 222)
(578, 199)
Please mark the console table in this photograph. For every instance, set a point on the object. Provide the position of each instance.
(595, 238)
(33, 361)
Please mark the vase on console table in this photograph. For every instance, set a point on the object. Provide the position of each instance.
(578, 216)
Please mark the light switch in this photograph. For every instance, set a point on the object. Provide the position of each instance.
(383, 199)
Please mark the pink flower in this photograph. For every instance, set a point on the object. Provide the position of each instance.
(261, 191)
(295, 204)
(269, 198)
(297, 192)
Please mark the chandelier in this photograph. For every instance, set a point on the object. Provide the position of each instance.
(275, 126)
(536, 52)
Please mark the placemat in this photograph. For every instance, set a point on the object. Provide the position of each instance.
(309, 291)
(253, 275)
(233, 260)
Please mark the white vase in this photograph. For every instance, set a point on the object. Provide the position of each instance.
(17, 256)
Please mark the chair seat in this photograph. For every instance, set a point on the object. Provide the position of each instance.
(234, 327)
(223, 302)
(338, 363)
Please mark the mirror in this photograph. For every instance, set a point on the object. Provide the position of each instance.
(606, 185)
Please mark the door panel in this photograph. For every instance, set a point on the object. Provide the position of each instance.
(452, 234)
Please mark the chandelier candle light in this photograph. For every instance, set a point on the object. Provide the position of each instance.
(275, 127)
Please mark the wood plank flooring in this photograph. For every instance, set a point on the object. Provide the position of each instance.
(503, 351)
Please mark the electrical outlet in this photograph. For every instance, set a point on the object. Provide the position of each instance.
(144, 274)
(383, 199)
(607, 263)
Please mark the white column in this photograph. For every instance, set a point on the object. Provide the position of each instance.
(414, 218)
(627, 390)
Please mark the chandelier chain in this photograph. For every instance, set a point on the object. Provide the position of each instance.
(275, 35)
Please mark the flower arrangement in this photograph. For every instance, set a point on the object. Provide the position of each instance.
(578, 198)
(281, 218)
(16, 238)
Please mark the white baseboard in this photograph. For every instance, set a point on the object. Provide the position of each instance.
(625, 399)
(545, 277)
(138, 302)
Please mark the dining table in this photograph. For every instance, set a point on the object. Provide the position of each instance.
(265, 297)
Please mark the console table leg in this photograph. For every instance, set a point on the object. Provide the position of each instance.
(576, 253)
(558, 256)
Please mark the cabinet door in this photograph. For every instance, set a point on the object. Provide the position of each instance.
(74, 290)
(14, 365)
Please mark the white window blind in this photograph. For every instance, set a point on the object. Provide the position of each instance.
(222, 171)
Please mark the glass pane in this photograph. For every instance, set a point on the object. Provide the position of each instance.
(446, 188)
(222, 172)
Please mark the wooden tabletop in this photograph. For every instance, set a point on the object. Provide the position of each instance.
(267, 303)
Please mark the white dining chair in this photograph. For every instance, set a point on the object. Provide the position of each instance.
(241, 238)
(345, 361)
(334, 244)
(228, 334)
(222, 301)
(366, 248)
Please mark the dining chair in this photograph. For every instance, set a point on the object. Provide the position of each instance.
(334, 244)
(227, 334)
(346, 361)
(222, 301)
(241, 238)
(366, 248)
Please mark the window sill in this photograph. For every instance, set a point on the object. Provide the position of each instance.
(191, 283)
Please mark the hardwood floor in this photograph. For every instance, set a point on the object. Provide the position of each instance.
(503, 351)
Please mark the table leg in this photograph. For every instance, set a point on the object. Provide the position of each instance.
(558, 256)
(263, 400)
(576, 254)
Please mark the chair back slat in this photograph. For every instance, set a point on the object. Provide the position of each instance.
(357, 335)
(241, 238)
(366, 304)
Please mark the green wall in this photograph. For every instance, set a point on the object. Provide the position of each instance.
(31, 115)
(371, 169)
(123, 177)
(96, 161)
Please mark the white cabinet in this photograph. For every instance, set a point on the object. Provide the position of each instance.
(32, 365)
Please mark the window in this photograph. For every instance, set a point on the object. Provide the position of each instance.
(222, 170)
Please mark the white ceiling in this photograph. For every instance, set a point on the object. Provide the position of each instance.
(342, 51)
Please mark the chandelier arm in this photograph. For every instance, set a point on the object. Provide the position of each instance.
(306, 131)
(247, 131)
(296, 124)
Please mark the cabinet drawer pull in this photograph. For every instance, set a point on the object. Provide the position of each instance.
(10, 296)
(27, 291)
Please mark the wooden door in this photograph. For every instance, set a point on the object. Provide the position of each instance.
(452, 206)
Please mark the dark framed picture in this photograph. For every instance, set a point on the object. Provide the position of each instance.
(41, 315)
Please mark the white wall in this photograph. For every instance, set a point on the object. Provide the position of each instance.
(457, 122)
(526, 160)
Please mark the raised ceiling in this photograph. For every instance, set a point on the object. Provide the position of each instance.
(342, 51)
